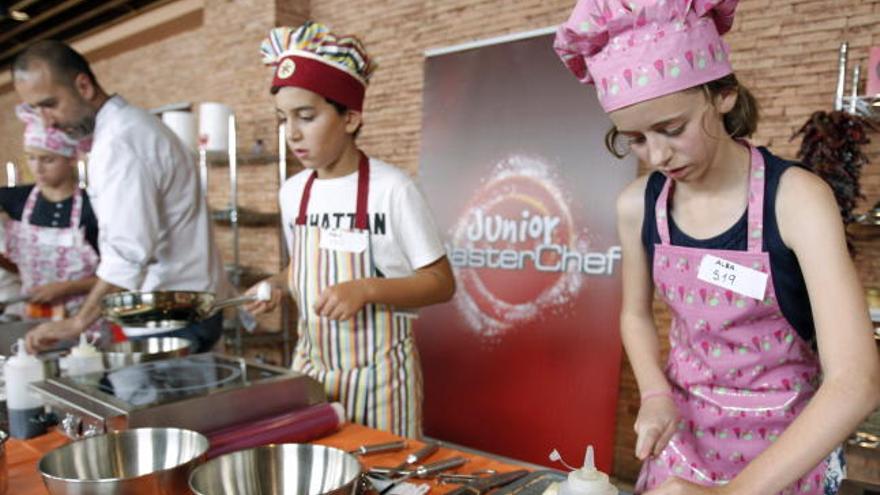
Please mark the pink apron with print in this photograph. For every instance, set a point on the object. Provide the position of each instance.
(740, 373)
(49, 254)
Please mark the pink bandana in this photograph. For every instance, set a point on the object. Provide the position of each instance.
(36, 135)
(636, 50)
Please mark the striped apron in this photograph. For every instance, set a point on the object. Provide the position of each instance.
(368, 363)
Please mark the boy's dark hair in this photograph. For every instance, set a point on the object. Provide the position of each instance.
(64, 62)
(740, 122)
(341, 109)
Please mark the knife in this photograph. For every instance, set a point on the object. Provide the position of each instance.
(418, 456)
(378, 448)
(483, 485)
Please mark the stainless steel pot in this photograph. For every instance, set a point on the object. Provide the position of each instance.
(138, 461)
(168, 310)
(286, 469)
(138, 351)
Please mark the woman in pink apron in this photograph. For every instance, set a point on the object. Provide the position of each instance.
(771, 362)
(51, 233)
(363, 246)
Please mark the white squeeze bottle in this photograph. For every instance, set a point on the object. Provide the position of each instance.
(83, 358)
(587, 480)
(24, 406)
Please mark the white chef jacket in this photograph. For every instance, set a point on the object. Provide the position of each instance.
(154, 230)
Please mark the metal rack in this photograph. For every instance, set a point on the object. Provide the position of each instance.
(235, 217)
(867, 106)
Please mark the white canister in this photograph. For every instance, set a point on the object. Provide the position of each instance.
(24, 406)
(214, 126)
(183, 124)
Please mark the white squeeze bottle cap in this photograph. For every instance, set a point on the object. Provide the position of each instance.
(83, 358)
(587, 480)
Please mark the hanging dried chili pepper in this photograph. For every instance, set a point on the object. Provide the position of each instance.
(831, 148)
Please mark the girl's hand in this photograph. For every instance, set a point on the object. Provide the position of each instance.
(259, 307)
(49, 293)
(342, 301)
(655, 425)
(678, 486)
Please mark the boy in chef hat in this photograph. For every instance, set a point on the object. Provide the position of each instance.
(365, 252)
(746, 249)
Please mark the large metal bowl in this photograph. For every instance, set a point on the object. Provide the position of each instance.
(138, 461)
(139, 351)
(286, 469)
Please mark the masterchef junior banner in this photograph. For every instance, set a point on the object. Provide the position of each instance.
(526, 358)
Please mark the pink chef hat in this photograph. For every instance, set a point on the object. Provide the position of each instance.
(636, 50)
(37, 135)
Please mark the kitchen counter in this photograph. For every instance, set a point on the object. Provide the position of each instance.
(24, 479)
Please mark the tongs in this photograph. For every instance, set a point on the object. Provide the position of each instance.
(483, 484)
(423, 471)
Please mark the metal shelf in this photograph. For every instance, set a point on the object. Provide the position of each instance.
(235, 217)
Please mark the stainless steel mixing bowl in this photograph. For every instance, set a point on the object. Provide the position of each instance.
(138, 351)
(138, 461)
(286, 469)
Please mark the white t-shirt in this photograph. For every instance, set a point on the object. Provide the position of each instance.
(403, 237)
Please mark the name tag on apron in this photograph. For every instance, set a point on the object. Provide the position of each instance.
(344, 240)
(733, 276)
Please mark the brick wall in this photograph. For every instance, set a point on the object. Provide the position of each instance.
(785, 51)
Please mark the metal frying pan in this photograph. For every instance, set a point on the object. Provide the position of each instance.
(170, 310)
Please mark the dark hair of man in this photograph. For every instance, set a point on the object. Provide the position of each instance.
(64, 62)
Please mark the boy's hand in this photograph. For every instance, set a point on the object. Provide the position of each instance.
(342, 301)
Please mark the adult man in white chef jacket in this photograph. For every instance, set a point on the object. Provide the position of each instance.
(154, 228)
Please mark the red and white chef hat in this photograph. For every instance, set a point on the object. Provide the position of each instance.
(37, 135)
(311, 57)
(636, 50)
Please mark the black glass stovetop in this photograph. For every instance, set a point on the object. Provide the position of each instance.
(160, 382)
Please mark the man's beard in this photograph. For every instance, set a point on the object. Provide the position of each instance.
(82, 128)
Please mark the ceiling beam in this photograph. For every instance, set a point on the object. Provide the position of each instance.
(47, 34)
(123, 30)
(35, 20)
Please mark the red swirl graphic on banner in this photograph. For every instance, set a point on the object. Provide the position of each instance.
(516, 250)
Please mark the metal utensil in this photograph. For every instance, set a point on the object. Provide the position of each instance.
(425, 471)
(170, 310)
(285, 469)
(378, 448)
(144, 460)
(483, 485)
(465, 478)
(411, 460)
(419, 455)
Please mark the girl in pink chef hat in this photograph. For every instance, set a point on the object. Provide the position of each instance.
(772, 362)
(51, 233)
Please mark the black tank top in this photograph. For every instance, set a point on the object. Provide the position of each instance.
(791, 290)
